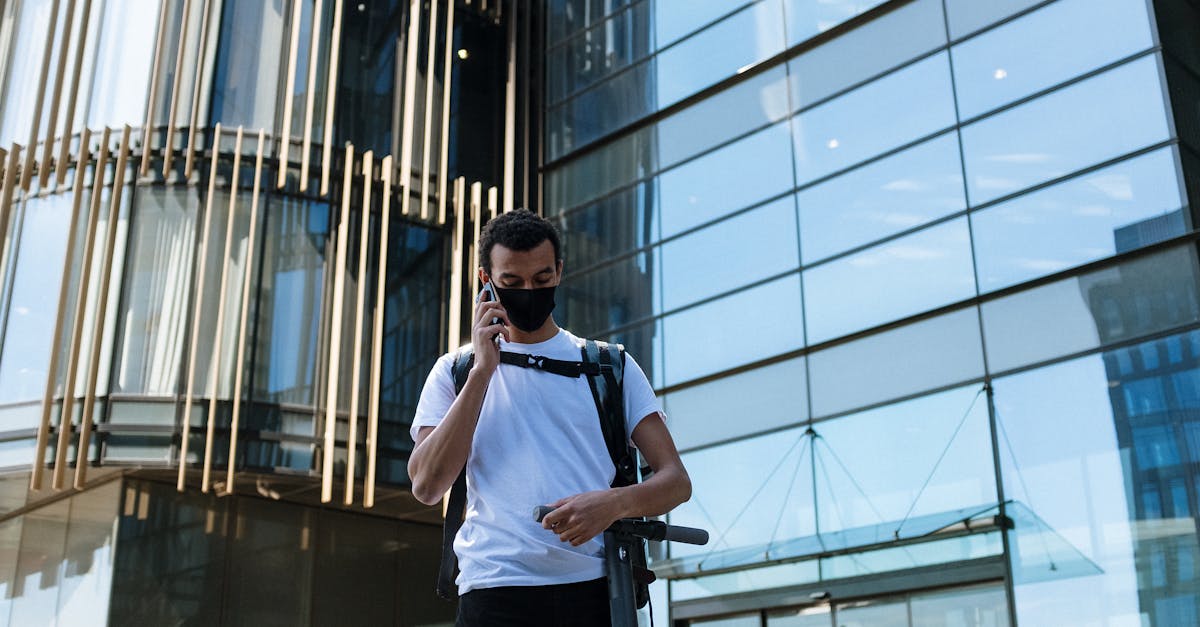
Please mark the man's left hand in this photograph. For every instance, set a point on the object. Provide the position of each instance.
(577, 519)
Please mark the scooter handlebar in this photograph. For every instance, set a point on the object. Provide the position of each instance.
(649, 529)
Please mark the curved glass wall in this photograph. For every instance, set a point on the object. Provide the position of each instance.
(183, 264)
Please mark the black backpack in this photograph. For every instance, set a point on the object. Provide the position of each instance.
(604, 366)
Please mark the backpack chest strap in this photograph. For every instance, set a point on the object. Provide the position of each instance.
(573, 369)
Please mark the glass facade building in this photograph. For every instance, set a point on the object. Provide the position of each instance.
(916, 282)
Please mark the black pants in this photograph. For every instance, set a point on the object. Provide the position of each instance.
(582, 604)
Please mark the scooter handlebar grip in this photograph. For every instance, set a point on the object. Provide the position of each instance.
(540, 512)
(687, 535)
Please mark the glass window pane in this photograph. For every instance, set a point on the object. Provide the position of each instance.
(24, 69)
(565, 17)
(123, 57)
(780, 503)
(356, 557)
(157, 298)
(898, 108)
(997, 67)
(872, 467)
(272, 538)
(751, 246)
(895, 38)
(289, 302)
(967, 16)
(899, 278)
(806, 18)
(747, 402)
(773, 310)
(747, 620)
(610, 227)
(746, 580)
(84, 592)
(820, 616)
(1125, 206)
(1098, 477)
(40, 565)
(644, 343)
(248, 65)
(601, 109)
(674, 19)
(731, 178)
(969, 607)
(1102, 117)
(748, 37)
(602, 50)
(893, 194)
(40, 232)
(916, 357)
(612, 296)
(873, 614)
(746, 106)
(1136, 298)
(598, 172)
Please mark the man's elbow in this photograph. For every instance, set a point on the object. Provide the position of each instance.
(425, 493)
(683, 487)
(422, 489)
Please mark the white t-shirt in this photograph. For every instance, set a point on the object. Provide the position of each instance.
(538, 440)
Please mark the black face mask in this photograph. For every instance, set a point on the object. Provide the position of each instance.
(527, 309)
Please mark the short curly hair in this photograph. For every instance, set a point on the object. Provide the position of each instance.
(518, 230)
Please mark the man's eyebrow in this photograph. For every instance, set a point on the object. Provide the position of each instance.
(509, 275)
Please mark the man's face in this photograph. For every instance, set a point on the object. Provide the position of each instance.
(526, 269)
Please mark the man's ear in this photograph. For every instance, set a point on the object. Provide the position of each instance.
(559, 268)
(483, 278)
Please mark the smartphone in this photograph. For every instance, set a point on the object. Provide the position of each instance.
(488, 294)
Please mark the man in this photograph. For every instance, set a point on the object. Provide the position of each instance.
(528, 438)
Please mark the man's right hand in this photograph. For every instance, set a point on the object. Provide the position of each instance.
(487, 350)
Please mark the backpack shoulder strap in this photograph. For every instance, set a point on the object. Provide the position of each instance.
(608, 393)
(456, 504)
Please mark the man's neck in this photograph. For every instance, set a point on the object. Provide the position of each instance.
(547, 331)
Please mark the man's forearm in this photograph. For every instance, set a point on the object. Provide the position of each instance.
(657, 495)
(437, 459)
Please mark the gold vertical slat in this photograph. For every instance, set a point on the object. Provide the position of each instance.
(510, 113)
(314, 46)
(410, 86)
(40, 98)
(444, 146)
(492, 202)
(197, 311)
(335, 330)
(239, 363)
(285, 132)
(155, 69)
(110, 243)
(476, 225)
(56, 96)
(331, 95)
(364, 244)
(173, 111)
(214, 363)
(427, 124)
(64, 286)
(197, 89)
(81, 291)
(454, 306)
(375, 385)
(64, 149)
